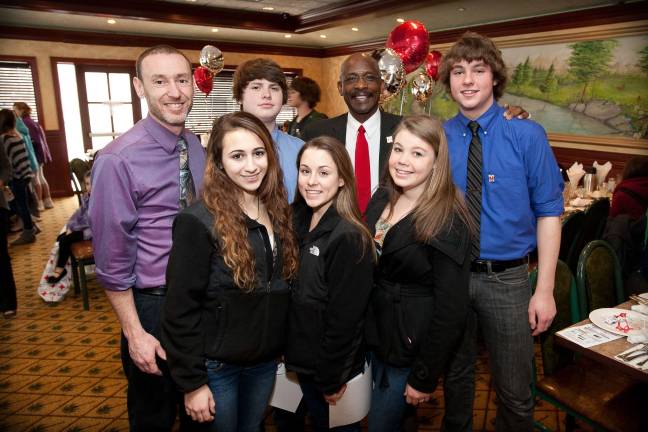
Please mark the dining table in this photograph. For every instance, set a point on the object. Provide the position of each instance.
(606, 353)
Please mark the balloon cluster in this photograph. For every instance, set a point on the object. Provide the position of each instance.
(406, 50)
(211, 63)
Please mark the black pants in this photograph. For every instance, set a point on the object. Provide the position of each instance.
(20, 189)
(152, 400)
(7, 283)
(65, 242)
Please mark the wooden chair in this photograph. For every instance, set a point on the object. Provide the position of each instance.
(78, 168)
(81, 255)
(584, 389)
(598, 278)
(593, 225)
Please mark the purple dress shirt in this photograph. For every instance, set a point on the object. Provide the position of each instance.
(135, 197)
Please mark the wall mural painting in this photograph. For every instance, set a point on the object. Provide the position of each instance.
(593, 88)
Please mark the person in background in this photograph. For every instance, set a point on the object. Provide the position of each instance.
(335, 280)
(14, 146)
(260, 87)
(631, 194)
(230, 269)
(419, 305)
(303, 94)
(140, 181)
(41, 151)
(77, 229)
(8, 302)
(513, 190)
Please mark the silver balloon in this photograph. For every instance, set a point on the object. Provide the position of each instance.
(392, 72)
(422, 87)
(212, 58)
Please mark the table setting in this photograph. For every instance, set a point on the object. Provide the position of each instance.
(578, 195)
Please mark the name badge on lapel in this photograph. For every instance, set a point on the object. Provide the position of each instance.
(314, 250)
(491, 178)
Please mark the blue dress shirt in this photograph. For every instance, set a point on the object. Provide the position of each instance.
(287, 148)
(521, 180)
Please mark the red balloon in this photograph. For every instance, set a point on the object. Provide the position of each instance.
(411, 41)
(432, 62)
(204, 79)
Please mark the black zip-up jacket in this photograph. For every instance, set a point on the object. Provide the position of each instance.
(206, 316)
(329, 300)
(419, 305)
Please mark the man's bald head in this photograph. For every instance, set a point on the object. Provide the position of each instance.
(360, 85)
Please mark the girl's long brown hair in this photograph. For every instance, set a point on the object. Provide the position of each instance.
(221, 197)
(345, 201)
(440, 201)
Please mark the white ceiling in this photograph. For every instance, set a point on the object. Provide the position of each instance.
(443, 15)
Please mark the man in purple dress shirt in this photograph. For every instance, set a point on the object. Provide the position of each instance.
(136, 191)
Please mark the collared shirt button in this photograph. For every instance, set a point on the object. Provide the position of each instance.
(485, 132)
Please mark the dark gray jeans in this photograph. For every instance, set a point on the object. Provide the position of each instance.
(499, 303)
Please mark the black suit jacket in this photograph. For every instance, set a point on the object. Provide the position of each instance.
(336, 128)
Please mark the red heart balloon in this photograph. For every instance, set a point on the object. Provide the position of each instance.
(204, 79)
(411, 41)
(432, 62)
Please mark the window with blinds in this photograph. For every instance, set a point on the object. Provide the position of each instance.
(17, 85)
(221, 101)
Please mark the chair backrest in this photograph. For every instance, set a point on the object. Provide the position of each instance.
(593, 224)
(78, 169)
(572, 226)
(598, 278)
(555, 357)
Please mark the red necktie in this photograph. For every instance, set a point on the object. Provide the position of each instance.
(362, 170)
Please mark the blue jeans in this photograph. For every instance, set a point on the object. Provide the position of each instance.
(241, 394)
(387, 400)
(499, 303)
(318, 408)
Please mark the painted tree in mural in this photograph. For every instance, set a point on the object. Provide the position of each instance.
(550, 82)
(589, 60)
(643, 60)
(522, 73)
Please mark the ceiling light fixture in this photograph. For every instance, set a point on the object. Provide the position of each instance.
(323, 36)
(400, 20)
(268, 8)
(214, 30)
(461, 9)
(111, 21)
(191, 1)
(287, 36)
(355, 28)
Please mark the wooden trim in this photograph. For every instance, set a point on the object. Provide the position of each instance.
(110, 39)
(567, 156)
(621, 13)
(33, 64)
(159, 11)
(339, 13)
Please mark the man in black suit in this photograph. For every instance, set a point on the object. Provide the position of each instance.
(360, 85)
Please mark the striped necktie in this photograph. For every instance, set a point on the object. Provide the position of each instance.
(474, 185)
(187, 190)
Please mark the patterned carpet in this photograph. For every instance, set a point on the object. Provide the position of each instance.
(60, 367)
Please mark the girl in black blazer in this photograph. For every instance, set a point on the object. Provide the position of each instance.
(228, 280)
(420, 300)
(334, 281)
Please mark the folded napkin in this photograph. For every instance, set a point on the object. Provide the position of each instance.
(575, 173)
(642, 309)
(602, 171)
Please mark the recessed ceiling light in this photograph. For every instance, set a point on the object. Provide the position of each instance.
(323, 36)
(191, 1)
(400, 20)
(287, 36)
(354, 28)
(268, 8)
(461, 9)
(214, 30)
(111, 21)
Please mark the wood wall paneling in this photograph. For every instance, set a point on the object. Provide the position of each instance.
(57, 172)
(567, 156)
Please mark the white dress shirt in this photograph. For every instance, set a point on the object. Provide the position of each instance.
(372, 133)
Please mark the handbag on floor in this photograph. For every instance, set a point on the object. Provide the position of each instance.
(54, 293)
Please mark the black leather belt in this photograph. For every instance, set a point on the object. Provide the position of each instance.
(481, 266)
(156, 291)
